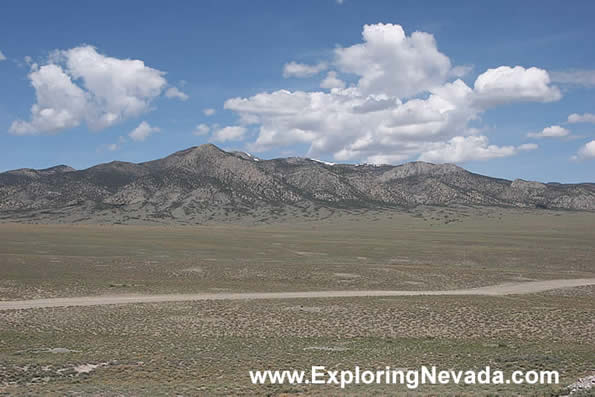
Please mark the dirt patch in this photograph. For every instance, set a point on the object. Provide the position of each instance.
(346, 275)
(54, 350)
(494, 290)
(195, 269)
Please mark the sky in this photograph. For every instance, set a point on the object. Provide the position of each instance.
(504, 89)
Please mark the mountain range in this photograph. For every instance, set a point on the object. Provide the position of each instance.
(205, 182)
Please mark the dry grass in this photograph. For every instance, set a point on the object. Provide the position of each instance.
(205, 348)
(360, 251)
(209, 346)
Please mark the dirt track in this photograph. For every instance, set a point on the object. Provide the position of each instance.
(493, 290)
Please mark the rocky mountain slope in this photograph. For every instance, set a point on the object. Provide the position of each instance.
(196, 184)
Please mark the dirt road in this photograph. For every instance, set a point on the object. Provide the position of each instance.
(493, 290)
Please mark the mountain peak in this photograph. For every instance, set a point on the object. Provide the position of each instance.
(57, 169)
(189, 157)
(32, 173)
(204, 148)
(420, 168)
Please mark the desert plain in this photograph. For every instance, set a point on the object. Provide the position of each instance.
(207, 346)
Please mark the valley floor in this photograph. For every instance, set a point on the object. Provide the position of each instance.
(205, 347)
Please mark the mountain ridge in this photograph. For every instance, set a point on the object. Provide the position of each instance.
(193, 184)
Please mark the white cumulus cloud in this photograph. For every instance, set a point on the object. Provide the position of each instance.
(174, 92)
(392, 63)
(402, 105)
(209, 111)
(555, 131)
(294, 69)
(528, 146)
(581, 118)
(461, 70)
(2, 57)
(60, 103)
(81, 85)
(143, 131)
(332, 81)
(507, 84)
(230, 133)
(119, 88)
(586, 152)
(201, 129)
(461, 148)
(352, 126)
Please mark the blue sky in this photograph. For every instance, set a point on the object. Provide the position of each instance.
(470, 89)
